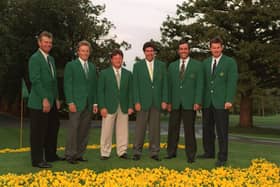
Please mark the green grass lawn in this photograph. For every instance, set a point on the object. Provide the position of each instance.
(240, 155)
(267, 121)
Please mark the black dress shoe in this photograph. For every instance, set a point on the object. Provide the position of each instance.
(81, 159)
(190, 160)
(72, 161)
(104, 158)
(205, 156)
(156, 158)
(57, 158)
(42, 165)
(136, 157)
(124, 156)
(170, 156)
(220, 163)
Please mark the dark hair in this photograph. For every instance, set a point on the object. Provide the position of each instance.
(216, 39)
(116, 52)
(184, 41)
(46, 34)
(82, 43)
(149, 44)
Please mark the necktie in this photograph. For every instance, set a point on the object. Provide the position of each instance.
(151, 70)
(118, 77)
(86, 69)
(182, 70)
(50, 65)
(214, 67)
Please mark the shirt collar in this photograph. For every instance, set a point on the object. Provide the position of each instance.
(115, 70)
(82, 61)
(44, 54)
(217, 59)
(186, 60)
(150, 61)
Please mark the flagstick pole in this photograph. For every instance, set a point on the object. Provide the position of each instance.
(21, 122)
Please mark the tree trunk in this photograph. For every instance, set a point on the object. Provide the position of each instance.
(246, 117)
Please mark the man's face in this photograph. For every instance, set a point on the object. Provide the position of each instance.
(184, 51)
(149, 53)
(84, 52)
(216, 49)
(45, 44)
(116, 61)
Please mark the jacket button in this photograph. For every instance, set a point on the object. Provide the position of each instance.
(212, 91)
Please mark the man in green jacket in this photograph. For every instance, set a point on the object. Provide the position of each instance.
(185, 84)
(115, 103)
(220, 81)
(43, 104)
(80, 87)
(150, 96)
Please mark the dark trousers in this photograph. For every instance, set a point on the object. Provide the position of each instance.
(188, 117)
(219, 118)
(43, 135)
(150, 118)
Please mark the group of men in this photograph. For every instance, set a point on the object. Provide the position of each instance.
(184, 88)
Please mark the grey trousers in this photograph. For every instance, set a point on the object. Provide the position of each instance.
(78, 133)
(150, 119)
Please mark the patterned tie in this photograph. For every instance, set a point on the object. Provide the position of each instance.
(50, 65)
(86, 69)
(182, 70)
(214, 67)
(118, 77)
(151, 70)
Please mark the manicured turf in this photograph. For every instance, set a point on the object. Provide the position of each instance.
(240, 155)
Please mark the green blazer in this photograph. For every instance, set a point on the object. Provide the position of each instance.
(43, 84)
(146, 92)
(79, 89)
(188, 91)
(109, 95)
(221, 87)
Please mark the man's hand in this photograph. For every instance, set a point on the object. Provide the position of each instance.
(137, 107)
(103, 112)
(72, 107)
(228, 105)
(46, 105)
(58, 105)
(169, 107)
(95, 109)
(164, 105)
(196, 107)
(130, 111)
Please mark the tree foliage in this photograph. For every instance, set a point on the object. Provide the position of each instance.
(251, 32)
(70, 21)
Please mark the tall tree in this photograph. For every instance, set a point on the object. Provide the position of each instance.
(69, 20)
(251, 31)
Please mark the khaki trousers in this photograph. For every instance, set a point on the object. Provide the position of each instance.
(120, 120)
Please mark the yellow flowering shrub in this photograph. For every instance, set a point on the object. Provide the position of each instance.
(260, 173)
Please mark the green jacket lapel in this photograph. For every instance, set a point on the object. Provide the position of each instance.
(146, 70)
(155, 70)
(44, 62)
(81, 68)
(219, 66)
(113, 77)
(123, 78)
(209, 67)
(187, 69)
